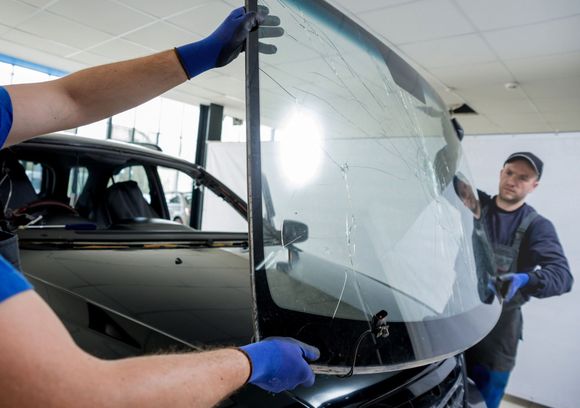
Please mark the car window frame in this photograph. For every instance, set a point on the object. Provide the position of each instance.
(124, 155)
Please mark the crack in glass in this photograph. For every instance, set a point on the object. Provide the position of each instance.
(362, 171)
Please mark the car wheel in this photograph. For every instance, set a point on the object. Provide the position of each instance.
(178, 219)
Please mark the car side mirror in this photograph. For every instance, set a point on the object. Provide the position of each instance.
(294, 232)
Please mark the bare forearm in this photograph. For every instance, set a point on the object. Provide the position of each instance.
(51, 371)
(103, 91)
(91, 94)
(187, 380)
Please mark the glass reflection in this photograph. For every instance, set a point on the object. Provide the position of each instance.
(482, 251)
(465, 192)
(300, 149)
(366, 162)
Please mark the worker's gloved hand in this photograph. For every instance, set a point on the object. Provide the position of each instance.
(227, 41)
(280, 363)
(516, 282)
(489, 292)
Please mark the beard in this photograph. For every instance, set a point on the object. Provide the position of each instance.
(510, 198)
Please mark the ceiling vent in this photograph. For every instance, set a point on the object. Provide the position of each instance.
(464, 109)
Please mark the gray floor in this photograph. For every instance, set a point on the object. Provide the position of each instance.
(513, 402)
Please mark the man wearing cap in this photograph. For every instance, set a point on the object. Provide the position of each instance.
(529, 262)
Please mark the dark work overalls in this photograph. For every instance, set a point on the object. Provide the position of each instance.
(497, 351)
(9, 248)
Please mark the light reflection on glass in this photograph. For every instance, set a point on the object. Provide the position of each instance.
(301, 137)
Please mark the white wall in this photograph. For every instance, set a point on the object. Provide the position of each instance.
(549, 358)
(548, 364)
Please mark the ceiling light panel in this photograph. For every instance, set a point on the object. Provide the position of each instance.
(120, 49)
(204, 19)
(165, 8)
(496, 14)
(37, 3)
(456, 51)
(418, 21)
(161, 36)
(38, 43)
(104, 15)
(545, 67)
(554, 37)
(14, 12)
(63, 30)
(357, 6)
(554, 88)
(473, 75)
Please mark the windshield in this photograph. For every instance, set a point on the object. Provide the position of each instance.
(374, 201)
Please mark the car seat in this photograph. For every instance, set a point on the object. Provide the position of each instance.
(125, 201)
(20, 204)
(16, 190)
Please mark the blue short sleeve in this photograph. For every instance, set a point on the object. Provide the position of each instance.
(12, 282)
(5, 115)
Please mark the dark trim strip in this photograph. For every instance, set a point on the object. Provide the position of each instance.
(254, 165)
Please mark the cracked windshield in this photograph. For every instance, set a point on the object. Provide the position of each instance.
(373, 200)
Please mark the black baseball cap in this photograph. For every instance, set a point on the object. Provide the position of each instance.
(531, 158)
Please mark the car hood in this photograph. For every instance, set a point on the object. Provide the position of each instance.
(195, 295)
(198, 297)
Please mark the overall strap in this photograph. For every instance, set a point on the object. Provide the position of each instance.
(520, 232)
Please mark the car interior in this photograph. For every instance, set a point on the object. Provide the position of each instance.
(79, 189)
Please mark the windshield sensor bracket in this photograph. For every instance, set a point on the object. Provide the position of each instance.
(379, 323)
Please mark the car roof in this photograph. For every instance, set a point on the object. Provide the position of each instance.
(72, 141)
(112, 150)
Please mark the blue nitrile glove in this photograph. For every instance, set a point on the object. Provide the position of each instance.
(280, 363)
(227, 41)
(518, 281)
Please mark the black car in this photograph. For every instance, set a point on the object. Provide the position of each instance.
(97, 243)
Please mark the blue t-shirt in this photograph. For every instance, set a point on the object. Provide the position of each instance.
(5, 115)
(12, 282)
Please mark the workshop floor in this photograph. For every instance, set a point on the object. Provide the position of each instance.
(513, 402)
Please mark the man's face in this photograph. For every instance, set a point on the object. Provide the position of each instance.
(516, 180)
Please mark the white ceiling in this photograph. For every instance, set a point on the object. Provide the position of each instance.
(468, 49)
